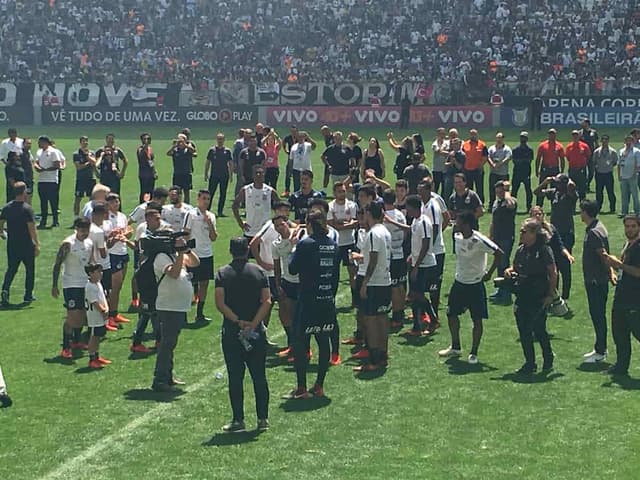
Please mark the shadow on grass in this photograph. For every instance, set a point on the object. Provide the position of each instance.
(17, 306)
(59, 360)
(593, 367)
(274, 362)
(146, 394)
(140, 355)
(459, 367)
(371, 375)
(625, 382)
(196, 325)
(542, 377)
(306, 405)
(410, 341)
(227, 439)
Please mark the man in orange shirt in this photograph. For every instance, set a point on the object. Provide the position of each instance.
(549, 160)
(578, 155)
(477, 155)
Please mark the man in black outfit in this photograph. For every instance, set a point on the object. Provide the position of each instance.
(589, 136)
(147, 174)
(316, 260)
(288, 142)
(220, 163)
(250, 156)
(22, 242)
(27, 165)
(338, 159)
(182, 154)
(244, 299)
(522, 157)
(300, 200)
(625, 316)
(85, 162)
(117, 163)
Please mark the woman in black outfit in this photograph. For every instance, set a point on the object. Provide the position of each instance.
(405, 152)
(352, 141)
(373, 158)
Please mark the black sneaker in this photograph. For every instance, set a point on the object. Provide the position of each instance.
(527, 368)
(4, 299)
(221, 215)
(42, 226)
(235, 427)
(263, 424)
(28, 299)
(5, 401)
(547, 366)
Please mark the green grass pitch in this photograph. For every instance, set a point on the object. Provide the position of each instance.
(424, 418)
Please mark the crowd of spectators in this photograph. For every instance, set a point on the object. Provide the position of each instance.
(523, 47)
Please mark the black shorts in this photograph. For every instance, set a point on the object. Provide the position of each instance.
(98, 331)
(378, 301)
(84, 187)
(291, 289)
(204, 271)
(106, 280)
(398, 272)
(73, 298)
(343, 252)
(272, 288)
(118, 262)
(183, 180)
(463, 297)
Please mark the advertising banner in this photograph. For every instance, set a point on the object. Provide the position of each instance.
(571, 116)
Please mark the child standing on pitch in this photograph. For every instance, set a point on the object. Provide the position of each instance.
(95, 302)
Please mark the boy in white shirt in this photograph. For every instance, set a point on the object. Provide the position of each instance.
(95, 302)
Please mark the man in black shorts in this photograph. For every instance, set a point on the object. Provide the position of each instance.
(118, 163)
(467, 291)
(147, 174)
(85, 162)
(182, 154)
(220, 164)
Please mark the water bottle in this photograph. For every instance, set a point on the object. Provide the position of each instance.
(242, 337)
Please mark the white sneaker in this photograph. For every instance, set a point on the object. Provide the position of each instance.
(594, 357)
(473, 359)
(450, 352)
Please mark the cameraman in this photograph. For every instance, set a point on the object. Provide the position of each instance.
(534, 272)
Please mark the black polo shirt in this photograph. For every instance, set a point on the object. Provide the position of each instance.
(182, 161)
(522, 157)
(531, 264)
(339, 157)
(469, 201)
(300, 203)
(17, 215)
(146, 160)
(596, 238)
(242, 283)
(414, 174)
(503, 219)
(82, 158)
(251, 158)
(563, 206)
(219, 158)
(628, 286)
(14, 172)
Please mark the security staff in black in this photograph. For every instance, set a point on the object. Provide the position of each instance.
(316, 260)
(534, 271)
(22, 242)
(147, 174)
(522, 157)
(220, 164)
(625, 316)
(589, 136)
(244, 299)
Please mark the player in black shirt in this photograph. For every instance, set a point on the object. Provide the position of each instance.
(14, 173)
(182, 153)
(117, 163)
(327, 135)
(250, 156)
(244, 299)
(522, 157)
(220, 163)
(300, 200)
(502, 231)
(85, 162)
(22, 242)
(27, 165)
(147, 174)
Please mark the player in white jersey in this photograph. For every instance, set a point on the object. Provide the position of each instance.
(137, 216)
(118, 237)
(342, 217)
(375, 291)
(176, 213)
(201, 225)
(287, 285)
(97, 308)
(393, 216)
(257, 198)
(359, 335)
(261, 247)
(434, 207)
(467, 291)
(73, 255)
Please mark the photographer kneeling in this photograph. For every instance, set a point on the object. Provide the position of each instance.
(533, 278)
(172, 305)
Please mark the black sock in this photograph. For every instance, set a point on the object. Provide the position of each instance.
(112, 313)
(93, 356)
(199, 309)
(66, 339)
(417, 316)
(77, 335)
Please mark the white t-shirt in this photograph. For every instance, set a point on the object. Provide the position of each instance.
(397, 234)
(199, 229)
(118, 220)
(471, 256)
(301, 155)
(432, 210)
(97, 236)
(438, 158)
(343, 212)
(280, 251)
(422, 228)
(497, 155)
(174, 294)
(257, 203)
(46, 159)
(378, 239)
(361, 235)
(80, 252)
(8, 146)
(93, 292)
(268, 235)
(177, 217)
(137, 215)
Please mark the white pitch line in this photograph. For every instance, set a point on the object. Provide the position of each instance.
(78, 463)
